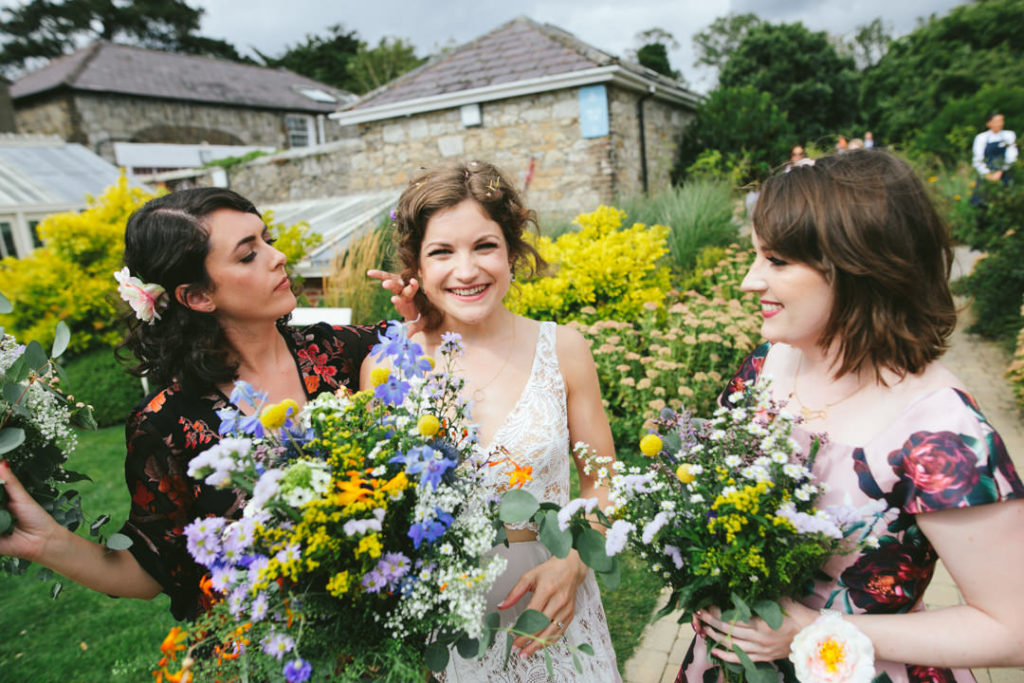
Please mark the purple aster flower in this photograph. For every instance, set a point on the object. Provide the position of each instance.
(451, 343)
(373, 581)
(393, 215)
(258, 609)
(393, 566)
(203, 540)
(236, 601)
(220, 578)
(277, 645)
(297, 671)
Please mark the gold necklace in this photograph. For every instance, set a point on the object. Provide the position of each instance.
(478, 393)
(820, 413)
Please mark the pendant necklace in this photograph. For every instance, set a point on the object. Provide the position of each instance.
(819, 413)
(478, 393)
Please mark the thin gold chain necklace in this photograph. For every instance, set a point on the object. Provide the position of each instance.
(478, 393)
(820, 413)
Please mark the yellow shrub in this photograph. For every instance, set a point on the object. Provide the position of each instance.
(613, 270)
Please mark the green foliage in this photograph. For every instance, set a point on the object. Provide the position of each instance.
(603, 271)
(948, 58)
(997, 281)
(372, 67)
(748, 130)
(948, 136)
(679, 355)
(716, 43)
(51, 28)
(655, 57)
(322, 58)
(70, 277)
(347, 284)
(869, 43)
(228, 163)
(97, 379)
(698, 214)
(801, 71)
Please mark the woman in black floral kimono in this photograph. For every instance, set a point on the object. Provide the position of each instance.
(211, 301)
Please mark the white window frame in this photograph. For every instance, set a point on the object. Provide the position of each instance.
(293, 133)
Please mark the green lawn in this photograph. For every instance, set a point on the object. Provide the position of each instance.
(84, 637)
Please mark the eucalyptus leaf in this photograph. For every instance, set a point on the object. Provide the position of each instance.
(517, 506)
(62, 335)
(586, 648)
(71, 477)
(881, 678)
(44, 574)
(554, 539)
(547, 663)
(11, 438)
(611, 578)
(770, 611)
(13, 392)
(590, 545)
(509, 639)
(576, 664)
(18, 371)
(740, 610)
(762, 672)
(491, 624)
(56, 589)
(5, 305)
(436, 657)
(119, 542)
(467, 647)
(531, 621)
(35, 356)
(6, 522)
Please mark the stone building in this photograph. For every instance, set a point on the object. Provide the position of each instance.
(577, 126)
(121, 100)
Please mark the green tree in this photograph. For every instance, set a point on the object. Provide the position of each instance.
(803, 74)
(743, 129)
(323, 58)
(945, 59)
(869, 43)
(653, 51)
(717, 42)
(373, 67)
(44, 29)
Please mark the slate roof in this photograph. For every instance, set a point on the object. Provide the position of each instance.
(39, 170)
(128, 70)
(519, 50)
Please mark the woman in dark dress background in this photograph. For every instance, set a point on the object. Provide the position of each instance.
(219, 315)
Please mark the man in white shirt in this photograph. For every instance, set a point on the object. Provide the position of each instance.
(994, 150)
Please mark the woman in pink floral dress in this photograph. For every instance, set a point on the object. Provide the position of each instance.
(852, 268)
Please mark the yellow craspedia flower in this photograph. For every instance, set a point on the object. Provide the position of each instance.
(428, 425)
(275, 415)
(379, 375)
(650, 445)
(684, 474)
(429, 359)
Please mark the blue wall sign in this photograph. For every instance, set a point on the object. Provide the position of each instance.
(593, 111)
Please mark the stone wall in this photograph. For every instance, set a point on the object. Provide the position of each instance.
(571, 173)
(100, 120)
(51, 116)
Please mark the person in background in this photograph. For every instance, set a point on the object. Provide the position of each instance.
(797, 157)
(869, 140)
(994, 150)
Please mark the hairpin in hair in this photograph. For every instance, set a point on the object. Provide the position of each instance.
(495, 184)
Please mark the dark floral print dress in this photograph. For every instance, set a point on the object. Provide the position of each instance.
(173, 425)
(939, 453)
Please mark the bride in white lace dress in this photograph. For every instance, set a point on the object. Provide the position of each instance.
(533, 389)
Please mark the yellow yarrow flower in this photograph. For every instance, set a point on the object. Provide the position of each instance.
(379, 375)
(369, 545)
(650, 445)
(428, 425)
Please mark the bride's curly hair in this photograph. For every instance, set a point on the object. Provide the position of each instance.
(166, 242)
(433, 190)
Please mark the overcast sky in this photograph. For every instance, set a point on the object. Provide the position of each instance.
(612, 25)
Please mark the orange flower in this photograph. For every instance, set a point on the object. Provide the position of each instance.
(173, 642)
(519, 475)
(352, 490)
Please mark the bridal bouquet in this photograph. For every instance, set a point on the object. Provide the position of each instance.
(360, 549)
(725, 513)
(37, 421)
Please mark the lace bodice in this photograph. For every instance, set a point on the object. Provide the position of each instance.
(535, 433)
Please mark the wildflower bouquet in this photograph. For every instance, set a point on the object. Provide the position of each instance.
(36, 432)
(726, 513)
(360, 548)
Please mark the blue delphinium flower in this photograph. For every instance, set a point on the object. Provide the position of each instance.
(415, 459)
(393, 391)
(434, 470)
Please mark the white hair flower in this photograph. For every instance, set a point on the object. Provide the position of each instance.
(145, 299)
